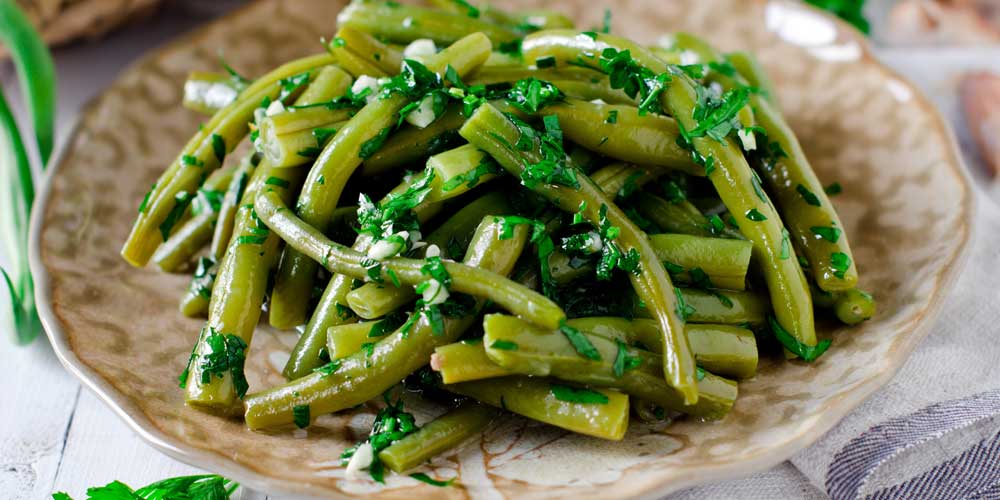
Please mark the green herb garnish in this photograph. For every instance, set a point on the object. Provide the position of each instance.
(577, 395)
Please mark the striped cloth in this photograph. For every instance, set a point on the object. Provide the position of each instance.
(933, 433)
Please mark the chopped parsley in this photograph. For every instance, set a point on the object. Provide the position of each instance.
(841, 263)
(328, 369)
(391, 424)
(716, 116)
(204, 278)
(833, 189)
(531, 94)
(545, 62)
(207, 201)
(807, 195)
(219, 147)
(580, 342)
(786, 245)
(827, 233)
(291, 85)
(145, 199)
(806, 352)
(191, 161)
(420, 476)
(755, 215)
(577, 395)
(487, 166)
(633, 79)
(277, 181)
(200, 487)
(612, 117)
(181, 202)
(227, 354)
(504, 345)
(544, 246)
(683, 310)
(470, 10)
(300, 415)
(715, 224)
(387, 325)
(624, 361)
(371, 146)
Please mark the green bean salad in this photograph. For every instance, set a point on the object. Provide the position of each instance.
(503, 213)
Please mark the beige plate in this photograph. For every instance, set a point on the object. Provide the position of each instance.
(906, 204)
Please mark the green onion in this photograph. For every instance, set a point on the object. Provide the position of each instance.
(37, 79)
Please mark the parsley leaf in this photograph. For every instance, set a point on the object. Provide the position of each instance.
(755, 215)
(391, 424)
(300, 415)
(227, 354)
(580, 342)
(806, 352)
(577, 395)
(420, 476)
(841, 263)
(504, 345)
(624, 361)
(830, 234)
(807, 195)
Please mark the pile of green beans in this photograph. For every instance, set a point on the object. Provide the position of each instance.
(499, 211)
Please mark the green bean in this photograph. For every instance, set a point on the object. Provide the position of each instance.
(223, 232)
(242, 281)
(364, 375)
(374, 301)
(680, 217)
(209, 92)
(465, 279)
(494, 133)
(731, 175)
(464, 361)
(807, 211)
(619, 131)
(854, 306)
(724, 262)
(297, 135)
(411, 144)
(192, 236)
(437, 436)
(194, 303)
(332, 308)
(577, 83)
(406, 23)
(750, 69)
(519, 20)
(725, 350)
(347, 339)
(722, 306)
(614, 177)
(295, 146)
(371, 56)
(198, 158)
(335, 165)
(527, 350)
(536, 399)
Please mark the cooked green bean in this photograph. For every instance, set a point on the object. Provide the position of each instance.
(619, 131)
(854, 306)
(731, 175)
(192, 236)
(370, 56)
(749, 68)
(242, 280)
(540, 400)
(681, 217)
(196, 299)
(494, 133)
(464, 361)
(465, 279)
(203, 154)
(405, 23)
(527, 350)
(209, 92)
(723, 262)
(721, 306)
(337, 163)
(373, 301)
(535, 19)
(577, 83)
(223, 232)
(806, 209)
(411, 144)
(364, 375)
(437, 436)
(347, 339)
(725, 350)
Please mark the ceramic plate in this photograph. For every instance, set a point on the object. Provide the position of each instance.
(906, 204)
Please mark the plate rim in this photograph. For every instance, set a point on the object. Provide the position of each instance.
(208, 459)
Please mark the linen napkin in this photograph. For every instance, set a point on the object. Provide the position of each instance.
(934, 431)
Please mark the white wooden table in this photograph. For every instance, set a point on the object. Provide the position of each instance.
(57, 436)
